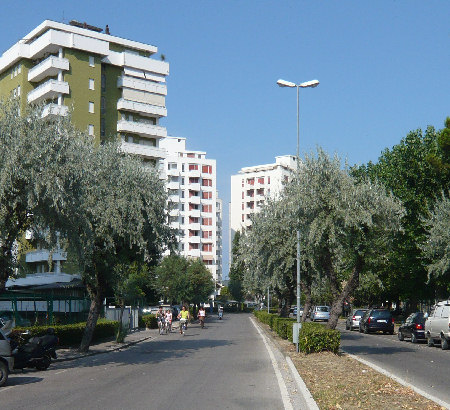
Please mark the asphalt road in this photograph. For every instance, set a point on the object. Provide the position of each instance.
(224, 366)
(425, 367)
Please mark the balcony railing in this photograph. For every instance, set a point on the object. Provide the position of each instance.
(143, 150)
(141, 108)
(48, 68)
(54, 110)
(49, 90)
(141, 128)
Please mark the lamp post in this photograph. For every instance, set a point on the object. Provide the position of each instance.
(307, 84)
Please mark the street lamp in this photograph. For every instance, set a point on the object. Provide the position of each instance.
(307, 84)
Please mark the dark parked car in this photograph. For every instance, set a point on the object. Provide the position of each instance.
(377, 320)
(414, 327)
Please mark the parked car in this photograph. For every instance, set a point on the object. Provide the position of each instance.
(437, 325)
(6, 358)
(293, 311)
(320, 313)
(353, 319)
(413, 327)
(377, 320)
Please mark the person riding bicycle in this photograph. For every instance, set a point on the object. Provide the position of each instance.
(184, 317)
(168, 318)
(201, 316)
(160, 317)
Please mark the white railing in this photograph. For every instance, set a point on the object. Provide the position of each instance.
(141, 128)
(48, 68)
(141, 107)
(50, 89)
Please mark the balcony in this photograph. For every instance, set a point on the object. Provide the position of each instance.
(55, 110)
(195, 253)
(174, 198)
(141, 108)
(194, 200)
(142, 85)
(146, 151)
(194, 239)
(194, 173)
(50, 67)
(141, 128)
(194, 186)
(42, 255)
(173, 185)
(49, 90)
(195, 213)
(174, 212)
(173, 172)
(194, 226)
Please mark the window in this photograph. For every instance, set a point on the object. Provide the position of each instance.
(19, 69)
(91, 61)
(261, 180)
(182, 181)
(103, 82)
(207, 169)
(268, 180)
(91, 107)
(193, 180)
(193, 167)
(102, 127)
(182, 207)
(193, 246)
(207, 221)
(206, 182)
(206, 234)
(103, 105)
(18, 90)
(206, 208)
(207, 195)
(207, 247)
(91, 83)
(242, 206)
(251, 181)
(190, 155)
(91, 129)
(242, 195)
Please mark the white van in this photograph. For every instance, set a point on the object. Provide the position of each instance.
(437, 325)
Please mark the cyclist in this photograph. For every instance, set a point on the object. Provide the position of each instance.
(168, 320)
(201, 316)
(184, 317)
(160, 317)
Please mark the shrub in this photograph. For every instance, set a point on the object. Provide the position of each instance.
(283, 327)
(315, 337)
(150, 321)
(71, 335)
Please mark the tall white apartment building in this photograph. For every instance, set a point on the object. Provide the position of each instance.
(252, 186)
(193, 203)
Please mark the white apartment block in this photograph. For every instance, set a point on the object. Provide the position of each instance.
(193, 203)
(252, 186)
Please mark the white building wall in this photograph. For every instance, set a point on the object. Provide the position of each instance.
(193, 201)
(252, 186)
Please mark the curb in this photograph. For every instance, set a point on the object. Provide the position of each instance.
(307, 396)
(81, 355)
(399, 380)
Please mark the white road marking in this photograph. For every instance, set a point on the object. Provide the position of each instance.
(6, 388)
(283, 390)
(62, 371)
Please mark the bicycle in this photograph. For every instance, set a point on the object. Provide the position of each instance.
(168, 326)
(183, 326)
(161, 325)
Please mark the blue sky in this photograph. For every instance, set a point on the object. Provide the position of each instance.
(383, 69)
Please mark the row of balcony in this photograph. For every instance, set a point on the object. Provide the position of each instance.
(145, 151)
(51, 89)
(141, 128)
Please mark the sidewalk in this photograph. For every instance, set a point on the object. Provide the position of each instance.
(137, 336)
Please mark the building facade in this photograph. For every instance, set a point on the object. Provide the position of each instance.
(111, 86)
(252, 186)
(194, 208)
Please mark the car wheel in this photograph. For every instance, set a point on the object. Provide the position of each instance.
(391, 332)
(430, 341)
(444, 343)
(3, 373)
(360, 330)
(400, 336)
(347, 327)
(366, 330)
(413, 338)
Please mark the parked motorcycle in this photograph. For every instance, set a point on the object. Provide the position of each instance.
(36, 353)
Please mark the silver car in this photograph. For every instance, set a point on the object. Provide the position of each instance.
(352, 321)
(320, 313)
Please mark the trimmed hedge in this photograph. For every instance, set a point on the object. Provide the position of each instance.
(71, 335)
(313, 337)
(150, 321)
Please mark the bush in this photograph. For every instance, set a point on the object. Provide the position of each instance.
(265, 317)
(150, 321)
(71, 335)
(315, 337)
(283, 326)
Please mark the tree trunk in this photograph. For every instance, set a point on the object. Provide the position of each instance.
(350, 286)
(94, 312)
(119, 328)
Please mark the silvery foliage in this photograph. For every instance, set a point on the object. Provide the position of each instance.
(437, 247)
(36, 174)
(335, 215)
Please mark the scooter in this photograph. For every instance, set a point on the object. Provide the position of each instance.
(220, 314)
(36, 353)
